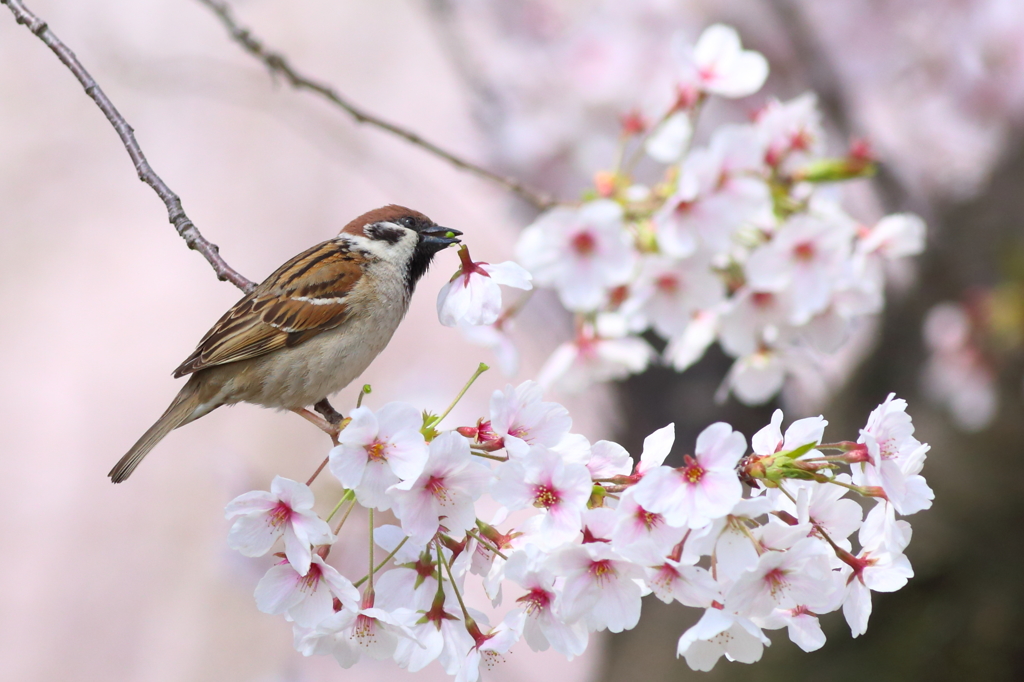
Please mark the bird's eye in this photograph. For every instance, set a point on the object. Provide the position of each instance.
(409, 222)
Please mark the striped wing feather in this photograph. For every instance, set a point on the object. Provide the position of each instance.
(305, 296)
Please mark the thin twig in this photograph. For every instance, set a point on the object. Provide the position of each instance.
(278, 64)
(175, 213)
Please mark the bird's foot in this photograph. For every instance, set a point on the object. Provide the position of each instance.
(328, 412)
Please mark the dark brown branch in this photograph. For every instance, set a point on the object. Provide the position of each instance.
(278, 64)
(175, 213)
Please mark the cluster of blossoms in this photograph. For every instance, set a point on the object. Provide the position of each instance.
(579, 532)
(737, 242)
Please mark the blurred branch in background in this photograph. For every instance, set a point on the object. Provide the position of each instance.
(175, 213)
(278, 64)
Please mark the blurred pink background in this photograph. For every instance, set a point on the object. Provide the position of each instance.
(135, 582)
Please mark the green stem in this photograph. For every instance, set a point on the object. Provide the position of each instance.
(381, 565)
(496, 458)
(345, 496)
(364, 391)
(370, 575)
(479, 370)
(451, 579)
(486, 544)
(345, 517)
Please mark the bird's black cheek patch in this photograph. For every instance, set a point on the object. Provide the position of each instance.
(390, 235)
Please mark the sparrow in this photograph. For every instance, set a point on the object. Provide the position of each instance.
(310, 328)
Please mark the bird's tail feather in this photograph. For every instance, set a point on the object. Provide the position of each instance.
(181, 411)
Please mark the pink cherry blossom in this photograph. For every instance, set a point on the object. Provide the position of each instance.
(580, 252)
(600, 586)
(522, 419)
(377, 450)
(473, 296)
(720, 66)
(719, 633)
(591, 359)
(790, 132)
(896, 457)
(543, 480)
(265, 516)
(544, 627)
(783, 580)
(350, 634)
(705, 487)
(667, 292)
(689, 585)
(444, 493)
(802, 626)
(721, 189)
(306, 598)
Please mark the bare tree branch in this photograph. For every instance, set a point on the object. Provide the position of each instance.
(175, 213)
(279, 65)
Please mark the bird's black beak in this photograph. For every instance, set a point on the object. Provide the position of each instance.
(439, 237)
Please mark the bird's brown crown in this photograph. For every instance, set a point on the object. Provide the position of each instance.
(392, 213)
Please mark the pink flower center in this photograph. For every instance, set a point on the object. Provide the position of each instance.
(308, 582)
(762, 299)
(545, 496)
(776, 581)
(584, 243)
(377, 451)
(435, 486)
(804, 251)
(692, 472)
(668, 284)
(649, 519)
(602, 570)
(279, 515)
(536, 599)
(684, 207)
(365, 630)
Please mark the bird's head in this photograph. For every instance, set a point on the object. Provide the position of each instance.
(403, 236)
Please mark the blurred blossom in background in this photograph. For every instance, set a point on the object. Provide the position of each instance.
(136, 582)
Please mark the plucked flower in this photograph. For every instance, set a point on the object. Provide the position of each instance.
(473, 296)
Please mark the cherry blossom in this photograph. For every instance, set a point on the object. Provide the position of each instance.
(444, 493)
(473, 296)
(521, 419)
(591, 358)
(719, 633)
(377, 450)
(599, 586)
(544, 480)
(704, 487)
(580, 252)
(719, 65)
(286, 510)
(308, 597)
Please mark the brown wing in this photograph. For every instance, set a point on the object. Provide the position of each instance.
(305, 296)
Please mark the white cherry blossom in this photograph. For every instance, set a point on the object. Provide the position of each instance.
(705, 487)
(719, 65)
(580, 252)
(719, 633)
(444, 493)
(377, 450)
(473, 296)
(307, 598)
(287, 510)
